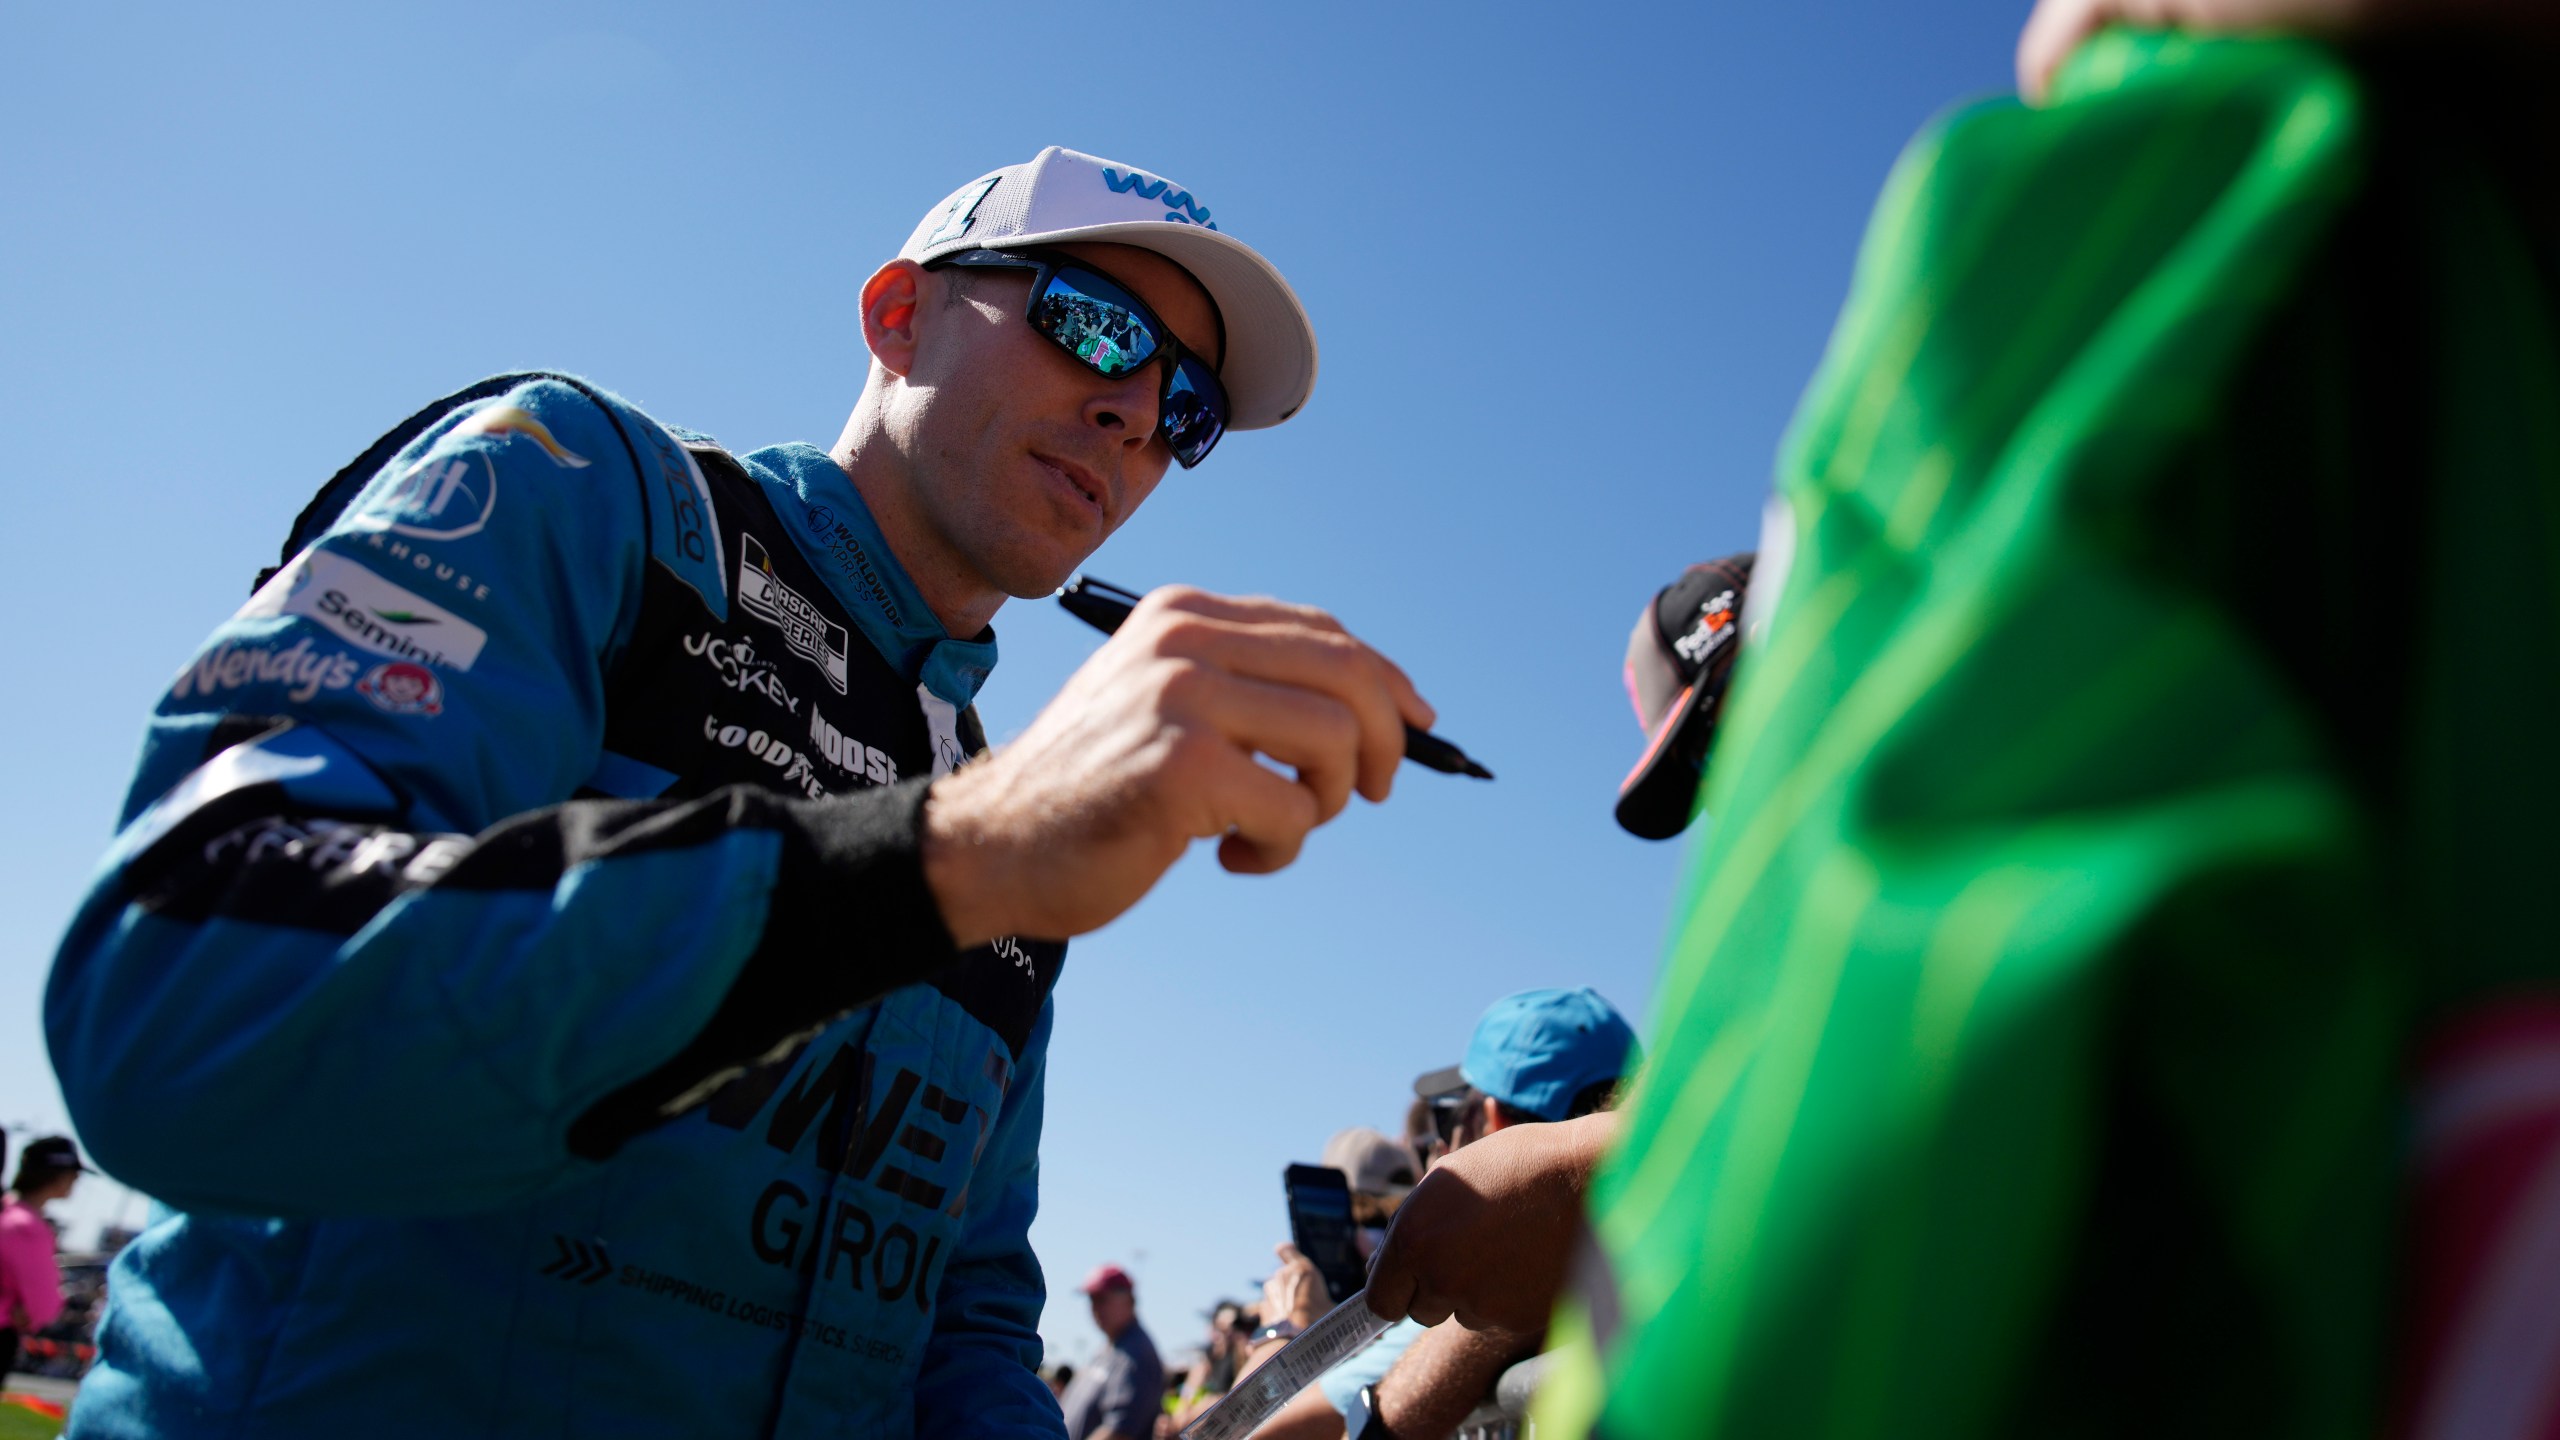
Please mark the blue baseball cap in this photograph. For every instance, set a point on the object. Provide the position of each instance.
(1537, 1050)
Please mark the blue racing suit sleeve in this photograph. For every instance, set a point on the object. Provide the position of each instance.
(981, 1373)
(355, 948)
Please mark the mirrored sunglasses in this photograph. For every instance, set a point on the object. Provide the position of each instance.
(1102, 324)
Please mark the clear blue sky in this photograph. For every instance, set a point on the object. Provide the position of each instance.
(1569, 267)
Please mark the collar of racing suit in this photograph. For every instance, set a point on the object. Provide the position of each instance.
(835, 531)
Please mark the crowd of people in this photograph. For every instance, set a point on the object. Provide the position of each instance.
(1537, 1060)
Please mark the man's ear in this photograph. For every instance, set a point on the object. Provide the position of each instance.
(889, 307)
(1490, 1118)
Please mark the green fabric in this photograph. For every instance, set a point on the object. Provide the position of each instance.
(2172, 619)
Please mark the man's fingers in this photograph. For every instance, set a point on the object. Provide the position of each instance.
(1313, 733)
(1246, 609)
(1327, 662)
(1262, 610)
(1263, 817)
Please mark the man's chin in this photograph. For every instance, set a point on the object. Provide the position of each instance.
(1031, 577)
(1039, 587)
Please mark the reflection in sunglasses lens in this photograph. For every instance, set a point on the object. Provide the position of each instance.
(1103, 325)
(1192, 422)
(1101, 330)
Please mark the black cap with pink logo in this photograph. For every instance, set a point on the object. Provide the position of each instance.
(1679, 662)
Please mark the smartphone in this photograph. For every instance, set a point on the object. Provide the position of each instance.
(1320, 1226)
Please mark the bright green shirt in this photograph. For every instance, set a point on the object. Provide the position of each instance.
(2152, 734)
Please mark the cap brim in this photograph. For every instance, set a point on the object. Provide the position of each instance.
(1658, 797)
(1440, 1082)
(1270, 365)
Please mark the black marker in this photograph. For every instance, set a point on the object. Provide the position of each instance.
(1103, 605)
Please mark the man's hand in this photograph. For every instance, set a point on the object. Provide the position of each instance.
(1296, 1291)
(1516, 1193)
(1152, 745)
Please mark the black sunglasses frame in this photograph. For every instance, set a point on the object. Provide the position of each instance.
(1045, 266)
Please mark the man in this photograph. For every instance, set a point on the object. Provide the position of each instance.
(1120, 1394)
(1539, 1061)
(547, 934)
(30, 1277)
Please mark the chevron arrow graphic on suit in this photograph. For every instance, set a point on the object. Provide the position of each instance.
(580, 1262)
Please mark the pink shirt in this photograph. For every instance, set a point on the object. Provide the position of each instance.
(30, 1283)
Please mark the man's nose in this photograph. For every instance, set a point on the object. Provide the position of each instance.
(1127, 406)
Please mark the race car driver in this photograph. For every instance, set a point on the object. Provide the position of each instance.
(548, 960)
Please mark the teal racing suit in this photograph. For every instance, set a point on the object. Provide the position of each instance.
(515, 970)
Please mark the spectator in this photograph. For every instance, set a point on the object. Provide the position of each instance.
(1679, 662)
(30, 1280)
(1221, 1356)
(1537, 1058)
(1119, 1395)
(1381, 1172)
(1417, 1134)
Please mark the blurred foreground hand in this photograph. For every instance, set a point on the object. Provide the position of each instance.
(2058, 26)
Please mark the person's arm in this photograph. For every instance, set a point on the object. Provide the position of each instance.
(1517, 1193)
(346, 907)
(1308, 1415)
(981, 1371)
(1448, 1371)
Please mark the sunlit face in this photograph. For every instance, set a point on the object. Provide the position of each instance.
(1023, 459)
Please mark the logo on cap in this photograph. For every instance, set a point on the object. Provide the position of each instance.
(1180, 208)
(1714, 627)
(963, 212)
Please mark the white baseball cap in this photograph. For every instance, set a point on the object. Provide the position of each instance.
(1062, 195)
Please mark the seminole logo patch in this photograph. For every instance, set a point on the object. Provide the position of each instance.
(805, 628)
(351, 602)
